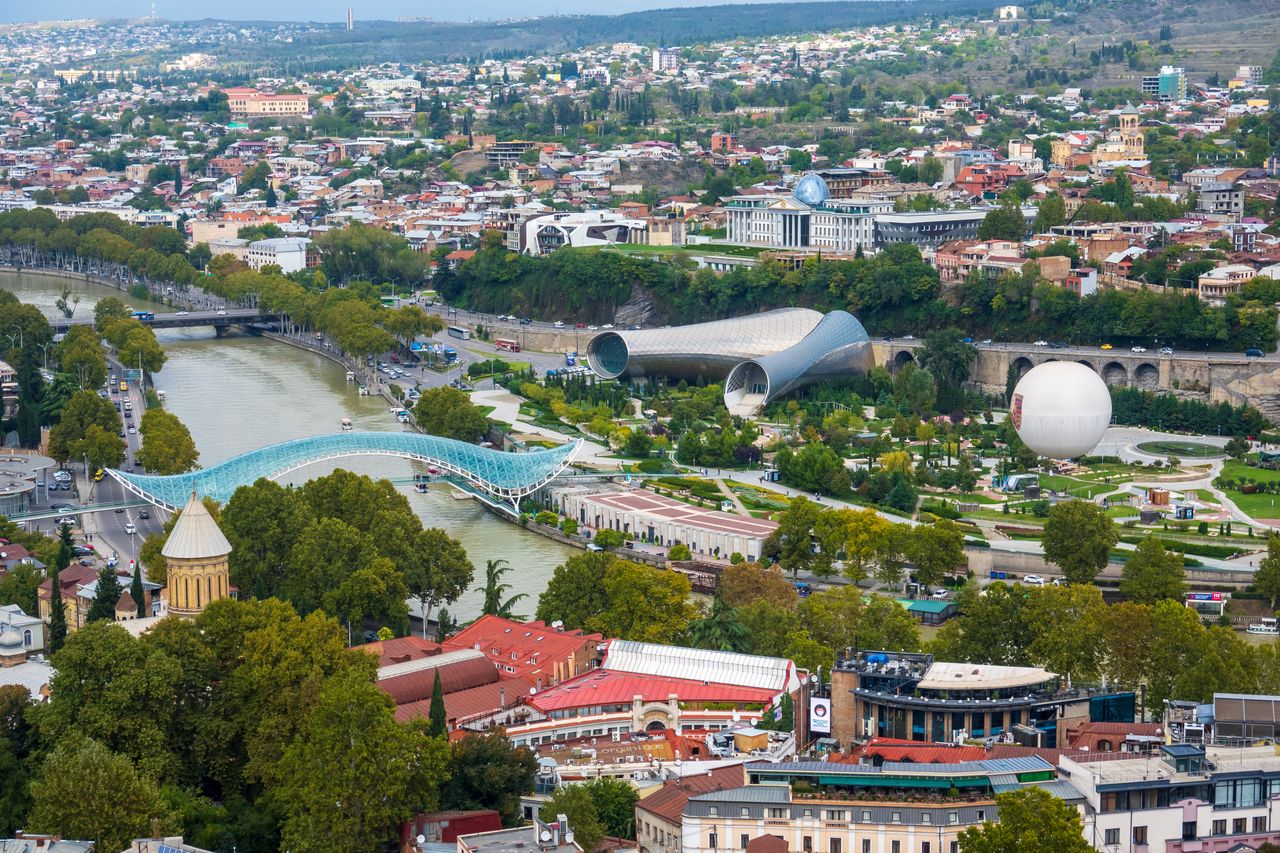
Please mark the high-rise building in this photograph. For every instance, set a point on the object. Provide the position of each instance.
(666, 59)
(351, 21)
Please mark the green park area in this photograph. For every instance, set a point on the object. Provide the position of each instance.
(1255, 491)
(1181, 449)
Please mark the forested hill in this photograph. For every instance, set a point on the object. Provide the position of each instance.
(387, 41)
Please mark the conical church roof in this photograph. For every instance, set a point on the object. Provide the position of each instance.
(196, 535)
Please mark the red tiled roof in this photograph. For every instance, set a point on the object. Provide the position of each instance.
(767, 844)
(535, 646)
(669, 801)
(607, 687)
(401, 649)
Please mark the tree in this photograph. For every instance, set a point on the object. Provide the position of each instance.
(610, 539)
(104, 603)
(486, 771)
(615, 802)
(577, 804)
(719, 629)
(494, 603)
(57, 609)
(261, 521)
(1005, 222)
(644, 603)
(353, 774)
(1267, 579)
(1052, 211)
(88, 792)
(1065, 624)
(792, 540)
(838, 618)
(936, 549)
(575, 593)
(448, 412)
(439, 572)
(679, 551)
(167, 446)
(743, 583)
(138, 593)
(1078, 537)
(948, 358)
(89, 426)
(1152, 573)
(1031, 821)
(437, 719)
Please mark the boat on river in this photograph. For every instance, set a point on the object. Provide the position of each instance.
(1265, 625)
(347, 425)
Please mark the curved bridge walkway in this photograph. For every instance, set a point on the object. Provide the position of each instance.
(501, 478)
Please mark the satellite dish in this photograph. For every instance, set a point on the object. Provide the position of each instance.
(421, 839)
(545, 836)
(568, 837)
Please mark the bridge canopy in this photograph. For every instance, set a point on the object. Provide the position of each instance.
(506, 477)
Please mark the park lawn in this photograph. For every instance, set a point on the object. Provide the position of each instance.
(486, 410)
(1256, 505)
(1235, 470)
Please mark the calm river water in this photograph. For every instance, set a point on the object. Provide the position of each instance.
(240, 393)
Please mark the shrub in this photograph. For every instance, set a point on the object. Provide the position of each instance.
(679, 551)
(570, 526)
(547, 517)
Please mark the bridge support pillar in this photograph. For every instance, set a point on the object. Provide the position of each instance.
(219, 331)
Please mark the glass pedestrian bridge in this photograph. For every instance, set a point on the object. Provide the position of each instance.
(505, 478)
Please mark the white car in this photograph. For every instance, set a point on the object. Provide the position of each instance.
(1033, 580)
(130, 529)
(1138, 349)
(222, 313)
(939, 593)
(607, 326)
(559, 324)
(1041, 344)
(182, 313)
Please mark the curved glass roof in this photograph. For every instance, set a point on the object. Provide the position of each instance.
(509, 476)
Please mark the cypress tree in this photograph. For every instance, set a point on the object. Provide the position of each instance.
(57, 610)
(437, 725)
(137, 593)
(103, 608)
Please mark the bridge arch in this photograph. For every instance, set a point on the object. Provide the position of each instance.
(1147, 376)
(901, 357)
(1115, 373)
(1021, 365)
(503, 478)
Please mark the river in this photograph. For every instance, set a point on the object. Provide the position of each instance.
(240, 392)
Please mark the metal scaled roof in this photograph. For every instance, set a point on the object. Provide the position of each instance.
(505, 476)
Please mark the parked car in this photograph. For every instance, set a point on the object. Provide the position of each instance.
(1033, 580)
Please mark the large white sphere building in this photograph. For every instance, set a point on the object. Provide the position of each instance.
(1060, 409)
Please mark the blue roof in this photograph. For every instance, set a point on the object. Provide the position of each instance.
(508, 476)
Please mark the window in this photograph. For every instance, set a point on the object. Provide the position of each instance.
(1139, 835)
(1260, 824)
(926, 818)
(835, 814)
(1112, 836)
(1239, 826)
(953, 817)
(808, 844)
(896, 847)
(714, 811)
(866, 816)
(982, 814)
(711, 841)
(744, 812)
(955, 847)
(1219, 827)
(1189, 830)
(895, 817)
(744, 840)
(835, 845)
(777, 813)
(866, 845)
(808, 812)
(924, 847)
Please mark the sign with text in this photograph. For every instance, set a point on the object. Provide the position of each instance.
(820, 715)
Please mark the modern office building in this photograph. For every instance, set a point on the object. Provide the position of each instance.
(1170, 85)
(763, 355)
(909, 695)
(1186, 798)
(543, 233)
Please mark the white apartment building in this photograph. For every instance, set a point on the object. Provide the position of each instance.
(288, 253)
(1185, 798)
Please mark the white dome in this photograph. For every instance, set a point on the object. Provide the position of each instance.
(10, 639)
(1061, 409)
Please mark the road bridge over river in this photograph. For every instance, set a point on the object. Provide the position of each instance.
(188, 319)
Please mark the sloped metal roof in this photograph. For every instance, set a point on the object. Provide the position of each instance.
(195, 535)
(715, 667)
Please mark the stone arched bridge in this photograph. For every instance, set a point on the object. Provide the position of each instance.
(1211, 377)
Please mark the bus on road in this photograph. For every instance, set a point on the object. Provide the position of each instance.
(144, 316)
(506, 345)
(460, 333)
